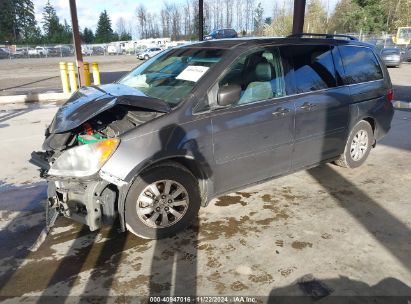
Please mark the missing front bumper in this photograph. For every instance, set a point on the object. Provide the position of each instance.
(91, 203)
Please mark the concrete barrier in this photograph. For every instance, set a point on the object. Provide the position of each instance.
(34, 97)
(398, 104)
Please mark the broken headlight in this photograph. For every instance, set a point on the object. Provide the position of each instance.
(84, 160)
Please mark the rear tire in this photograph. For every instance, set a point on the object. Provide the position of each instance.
(146, 57)
(358, 146)
(152, 211)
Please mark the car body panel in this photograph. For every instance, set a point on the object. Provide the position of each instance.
(263, 149)
(320, 130)
(88, 102)
(237, 145)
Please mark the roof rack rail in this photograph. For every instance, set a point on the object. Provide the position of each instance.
(326, 36)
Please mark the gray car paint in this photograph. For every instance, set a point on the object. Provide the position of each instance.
(266, 146)
(235, 146)
(88, 102)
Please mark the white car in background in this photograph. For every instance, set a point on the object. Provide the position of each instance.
(148, 53)
(114, 49)
(86, 50)
(38, 51)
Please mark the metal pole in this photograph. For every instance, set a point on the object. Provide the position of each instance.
(77, 42)
(200, 20)
(298, 19)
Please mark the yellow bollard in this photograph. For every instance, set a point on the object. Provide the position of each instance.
(87, 73)
(72, 76)
(64, 77)
(96, 73)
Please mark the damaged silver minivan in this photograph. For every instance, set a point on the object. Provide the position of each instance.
(201, 120)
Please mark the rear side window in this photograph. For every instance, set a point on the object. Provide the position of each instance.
(360, 65)
(313, 67)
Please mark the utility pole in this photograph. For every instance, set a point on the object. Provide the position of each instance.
(77, 42)
(200, 20)
(298, 18)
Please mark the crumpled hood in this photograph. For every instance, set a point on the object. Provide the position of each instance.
(88, 102)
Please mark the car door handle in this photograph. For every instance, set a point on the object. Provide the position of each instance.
(281, 111)
(308, 106)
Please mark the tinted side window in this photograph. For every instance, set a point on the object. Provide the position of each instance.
(313, 67)
(360, 65)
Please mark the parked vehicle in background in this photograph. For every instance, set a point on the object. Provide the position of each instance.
(205, 119)
(60, 51)
(19, 53)
(391, 57)
(38, 51)
(221, 34)
(86, 50)
(114, 49)
(148, 53)
(407, 53)
(4, 53)
(403, 36)
(98, 50)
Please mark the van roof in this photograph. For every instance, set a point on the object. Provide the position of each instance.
(250, 41)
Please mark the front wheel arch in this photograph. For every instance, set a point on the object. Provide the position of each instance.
(204, 181)
(152, 174)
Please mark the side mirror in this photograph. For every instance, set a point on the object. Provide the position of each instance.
(228, 95)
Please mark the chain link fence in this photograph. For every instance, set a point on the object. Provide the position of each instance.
(131, 47)
(67, 50)
(61, 50)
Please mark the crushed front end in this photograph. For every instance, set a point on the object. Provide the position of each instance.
(83, 135)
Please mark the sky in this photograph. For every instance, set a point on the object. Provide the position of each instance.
(88, 11)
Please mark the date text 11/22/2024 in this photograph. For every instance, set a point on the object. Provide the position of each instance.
(204, 299)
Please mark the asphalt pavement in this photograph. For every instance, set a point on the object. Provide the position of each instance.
(42, 75)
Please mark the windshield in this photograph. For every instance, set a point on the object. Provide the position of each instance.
(171, 75)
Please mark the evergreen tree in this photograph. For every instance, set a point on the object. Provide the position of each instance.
(25, 19)
(51, 23)
(7, 19)
(17, 20)
(104, 32)
(125, 36)
(87, 35)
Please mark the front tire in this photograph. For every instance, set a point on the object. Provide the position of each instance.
(358, 146)
(162, 201)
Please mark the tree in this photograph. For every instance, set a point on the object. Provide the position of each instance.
(125, 37)
(87, 35)
(120, 25)
(104, 32)
(282, 20)
(51, 23)
(346, 17)
(175, 22)
(17, 20)
(141, 13)
(258, 19)
(316, 17)
(122, 33)
(7, 20)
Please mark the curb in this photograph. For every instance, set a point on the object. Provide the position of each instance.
(398, 104)
(34, 97)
